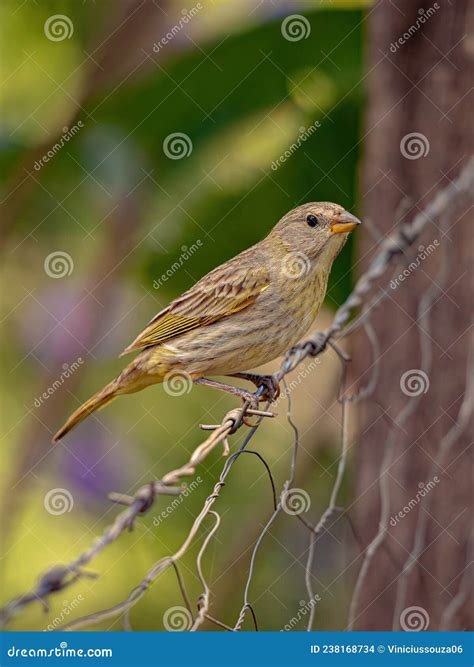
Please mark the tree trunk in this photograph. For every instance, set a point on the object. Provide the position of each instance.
(421, 86)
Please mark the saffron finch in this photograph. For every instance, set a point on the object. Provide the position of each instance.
(244, 313)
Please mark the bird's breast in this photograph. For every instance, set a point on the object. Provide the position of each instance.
(256, 335)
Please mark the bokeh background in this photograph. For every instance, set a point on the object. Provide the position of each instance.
(89, 235)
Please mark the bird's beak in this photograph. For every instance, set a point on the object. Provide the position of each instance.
(345, 222)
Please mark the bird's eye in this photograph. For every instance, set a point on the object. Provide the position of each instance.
(312, 220)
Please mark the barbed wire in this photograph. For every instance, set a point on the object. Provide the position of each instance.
(396, 245)
(427, 299)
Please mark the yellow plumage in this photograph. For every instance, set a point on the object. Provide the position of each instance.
(241, 315)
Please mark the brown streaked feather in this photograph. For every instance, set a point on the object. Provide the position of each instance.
(223, 292)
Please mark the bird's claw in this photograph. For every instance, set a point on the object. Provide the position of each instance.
(271, 387)
(252, 401)
(268, 387)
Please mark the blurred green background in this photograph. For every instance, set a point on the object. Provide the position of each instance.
(121, 213)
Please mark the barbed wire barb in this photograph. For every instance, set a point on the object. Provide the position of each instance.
(394, 246)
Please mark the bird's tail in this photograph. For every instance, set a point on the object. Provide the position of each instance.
(146, 369)
(96, 402)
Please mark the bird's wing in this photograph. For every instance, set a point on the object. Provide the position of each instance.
(224, 291)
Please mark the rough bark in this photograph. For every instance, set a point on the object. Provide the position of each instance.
(420, 86)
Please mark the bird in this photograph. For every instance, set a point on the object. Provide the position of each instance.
(241, 315)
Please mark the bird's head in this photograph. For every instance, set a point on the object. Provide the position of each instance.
(318, 229)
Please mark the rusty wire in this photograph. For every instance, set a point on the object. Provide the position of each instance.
(394, 246)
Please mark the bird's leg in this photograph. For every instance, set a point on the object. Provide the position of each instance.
(272, 386)
(235, 391)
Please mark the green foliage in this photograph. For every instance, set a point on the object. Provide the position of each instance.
(243, 98)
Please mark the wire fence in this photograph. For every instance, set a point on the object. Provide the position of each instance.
(360, 306)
